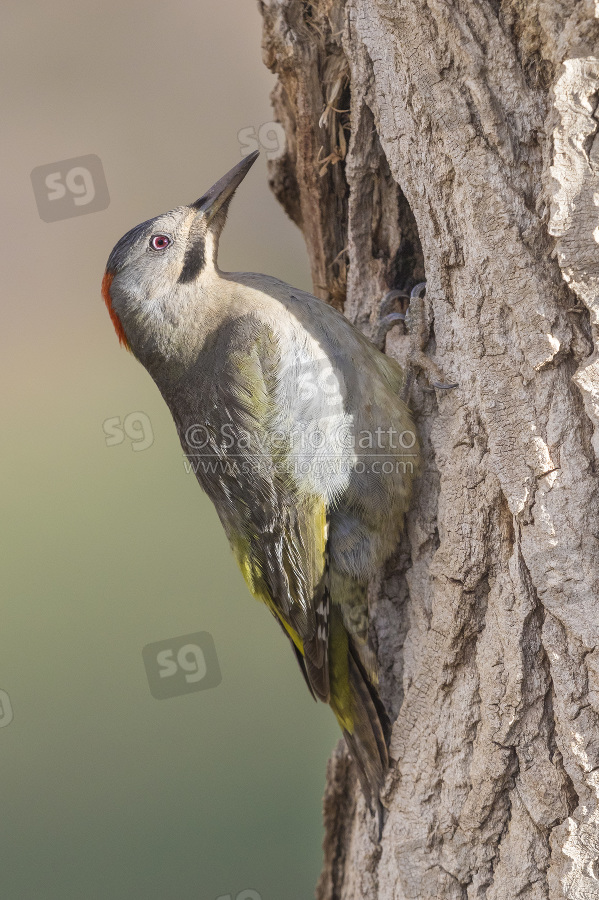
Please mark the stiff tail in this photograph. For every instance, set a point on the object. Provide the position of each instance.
(360, 712)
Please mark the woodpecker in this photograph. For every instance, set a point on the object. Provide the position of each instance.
(296, 429)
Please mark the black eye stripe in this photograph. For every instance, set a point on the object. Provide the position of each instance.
(194, 260)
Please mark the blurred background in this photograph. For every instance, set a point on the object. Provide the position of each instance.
(109, 545)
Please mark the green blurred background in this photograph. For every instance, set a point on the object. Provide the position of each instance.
(106, 792)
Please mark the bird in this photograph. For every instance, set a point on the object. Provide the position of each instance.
(297, 431)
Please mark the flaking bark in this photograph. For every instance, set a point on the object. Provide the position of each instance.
(457, 141)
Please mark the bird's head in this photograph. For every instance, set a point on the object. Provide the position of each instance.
(154, 272)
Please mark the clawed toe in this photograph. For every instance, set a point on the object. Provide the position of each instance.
(418, 290)
(442, 386)
(388, 319)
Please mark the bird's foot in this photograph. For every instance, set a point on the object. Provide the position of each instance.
(387, 318)
(416, 322)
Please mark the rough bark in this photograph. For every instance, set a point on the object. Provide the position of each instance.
(469, 156)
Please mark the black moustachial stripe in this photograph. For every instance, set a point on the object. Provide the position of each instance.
(194, 260)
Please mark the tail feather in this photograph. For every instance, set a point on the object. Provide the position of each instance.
(368, 741)
(380, 722)
(360, 711)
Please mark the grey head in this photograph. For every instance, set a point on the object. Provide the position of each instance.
(156, 271)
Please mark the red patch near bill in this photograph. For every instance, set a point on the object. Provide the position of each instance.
(118, 325)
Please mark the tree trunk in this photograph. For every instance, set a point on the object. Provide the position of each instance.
(456, 141)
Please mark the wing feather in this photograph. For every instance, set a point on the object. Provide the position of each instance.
(277, 530)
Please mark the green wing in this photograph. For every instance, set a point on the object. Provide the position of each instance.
(277, 531)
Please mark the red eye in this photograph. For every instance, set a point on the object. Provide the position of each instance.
(159, 242)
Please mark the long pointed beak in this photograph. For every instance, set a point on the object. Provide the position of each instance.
(221, 192)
